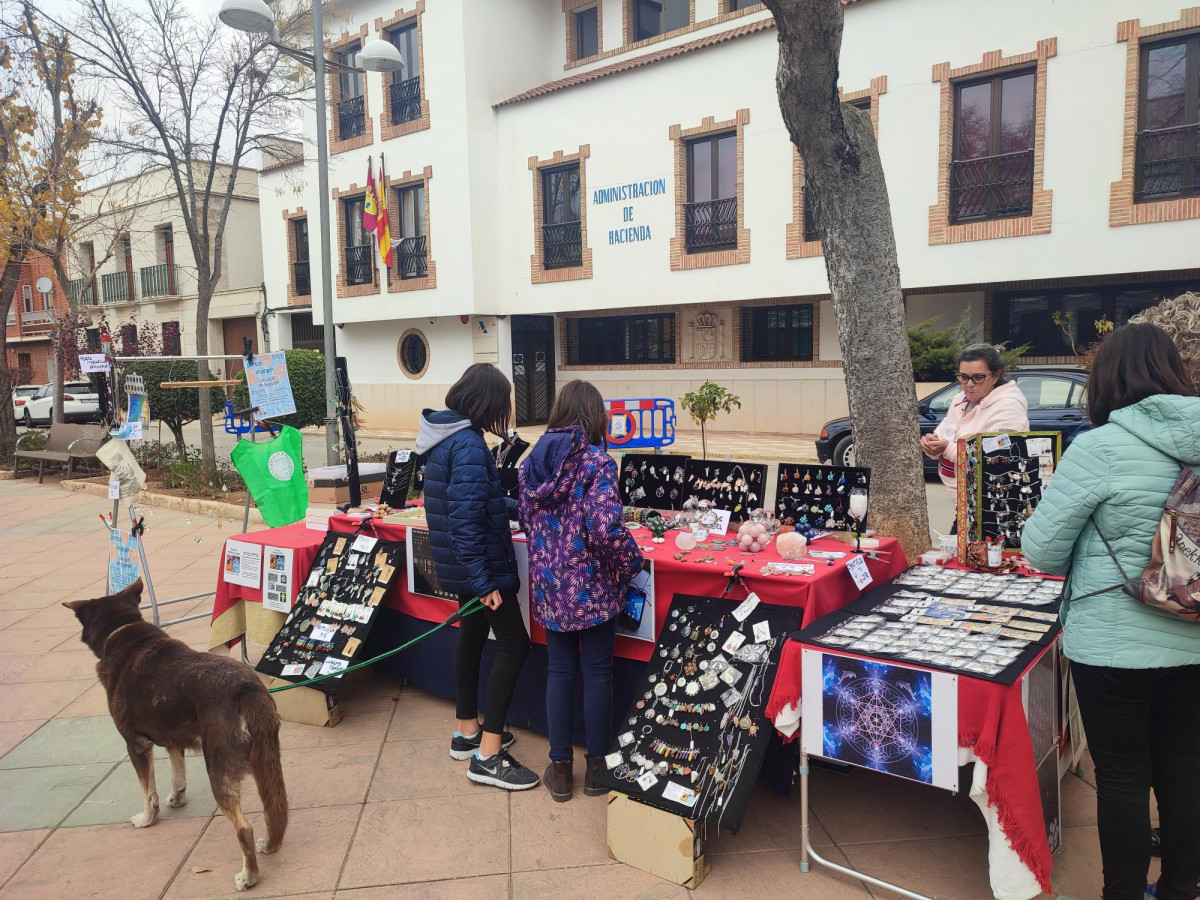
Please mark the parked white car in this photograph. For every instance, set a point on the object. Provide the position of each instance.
(21, 393)
(80, 404)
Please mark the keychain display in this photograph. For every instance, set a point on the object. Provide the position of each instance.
(729, 485)
(693, 741)
(818, 497)
(653, 481)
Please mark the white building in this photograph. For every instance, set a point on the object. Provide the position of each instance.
(605, 189)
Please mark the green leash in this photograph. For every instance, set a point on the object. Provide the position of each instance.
(467, 609)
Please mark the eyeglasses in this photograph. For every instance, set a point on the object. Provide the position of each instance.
(974, 379)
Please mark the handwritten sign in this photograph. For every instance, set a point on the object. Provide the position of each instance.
(269, 385)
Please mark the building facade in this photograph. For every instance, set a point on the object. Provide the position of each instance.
(605, 189)
(31, 319)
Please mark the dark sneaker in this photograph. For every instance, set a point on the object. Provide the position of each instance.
(501, 771)
(464, 747)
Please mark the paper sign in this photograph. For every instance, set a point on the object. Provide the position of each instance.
(1038, 446)
(114, 490)
(277, 592)
(999, 442)
(135, 431)
(647, 781)
(269, 385)
(243, 563)
(722, 526)
(323, 632)
(618, 425)
(293, 669)
(332, 664)
(677, 793)
(762, 631)
(93, 363)
(857, 567)
(743, 610)
(363, 543)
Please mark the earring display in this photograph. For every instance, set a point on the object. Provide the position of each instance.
(653, 481)
(693, 741)
(508, 455)
(817, 498)
(733, 486)
(397, 478)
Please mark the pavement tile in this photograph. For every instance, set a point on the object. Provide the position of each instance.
(107, 862)
(1077, 869)
(365, 683)
(10, 617)
(485, 887)
(431, 839)
(596, 881)
(69, 742)
(119, 796)
(946, 868)
(551, 835)
(422, 716)
(776, 873)
(309, 860)
(410, 770)
(322, 776)
(772, 822)
(39, 640)
(93, 702)
(41, 798)
(37, 701)
(15, 848)
(362, 720)
(13, 664)
(54, 616)
(58, 665)
(13, 733)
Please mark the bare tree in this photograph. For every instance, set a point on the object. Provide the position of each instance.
(844, 175)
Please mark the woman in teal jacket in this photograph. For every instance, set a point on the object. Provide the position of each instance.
(1136, 670)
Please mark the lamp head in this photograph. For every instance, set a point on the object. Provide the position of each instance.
(377, 56)
(253, 16)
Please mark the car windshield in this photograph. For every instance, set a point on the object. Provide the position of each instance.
(79, 387)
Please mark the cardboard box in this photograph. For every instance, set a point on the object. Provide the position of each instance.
(305, 705)
(328, 485)
(657, 842)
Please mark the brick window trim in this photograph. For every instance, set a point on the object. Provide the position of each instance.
(1122, 210)
(389, 130)
(627, 26)
(732, 310)
(345, 290)
(569, 8)
(334, 89)
(396, 284)
(538, 273)
(681, 260)
(294, 299)
(797, 246)
(994, 63)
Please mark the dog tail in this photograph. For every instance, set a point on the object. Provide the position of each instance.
(262, 722)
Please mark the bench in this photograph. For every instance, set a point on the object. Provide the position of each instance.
(68, 445)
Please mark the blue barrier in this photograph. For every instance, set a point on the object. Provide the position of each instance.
(640, 423)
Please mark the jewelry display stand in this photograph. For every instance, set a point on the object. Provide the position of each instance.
(651, 481)
(729, 485)
(818, 497)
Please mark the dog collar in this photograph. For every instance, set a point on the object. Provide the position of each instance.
(112, 633)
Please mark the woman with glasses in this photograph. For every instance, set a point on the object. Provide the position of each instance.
(989, 403)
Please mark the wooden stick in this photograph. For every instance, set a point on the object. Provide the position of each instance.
(232, 382)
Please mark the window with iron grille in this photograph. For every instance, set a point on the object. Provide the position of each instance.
(587, 32)
(360, 267)
(777, 333)
(1168, 138)
(621, 340)
(412, 247)
(735, 5)
(406, 90)
(654, 17)
(710, 215)
(302, 275)
(991, 173)
(562, 229)
(306, 335)
(171, 343)
(351, 109)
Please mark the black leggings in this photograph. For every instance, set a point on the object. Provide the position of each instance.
(512, 646)
(1143, 728)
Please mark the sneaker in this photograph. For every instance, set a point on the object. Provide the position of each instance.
(462, 748)
(501, 771)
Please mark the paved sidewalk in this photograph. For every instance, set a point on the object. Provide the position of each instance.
(379, 810)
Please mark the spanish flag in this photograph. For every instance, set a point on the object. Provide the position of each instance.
(382, 230)
(370, 201)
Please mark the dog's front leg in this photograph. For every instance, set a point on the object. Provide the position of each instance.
(178, 779)
(141, 753)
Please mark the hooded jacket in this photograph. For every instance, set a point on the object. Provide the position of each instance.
(581, 556)
(1117, 477)
(466, 508)
(1003, 409)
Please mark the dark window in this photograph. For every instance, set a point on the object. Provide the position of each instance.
(411, 248)
(655, 17)
(711, 211)
(587, 33)
(306, 335)
(1168, 140)
(735, 5)
(777, 333)
(406, 90)
(351, 111)
(129, 344)
(562, 231)
(359, 262)
(301, 269)
(93, 340)
(414, 354)
(25, 362)
(621, 340)
(991, 175)
(171, 344)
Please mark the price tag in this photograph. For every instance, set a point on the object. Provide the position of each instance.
(293, 669)
(743, 610)
(333, 665)
(1038, 446)
(364, 543)
(998, 442)
(857, 567)
(114, 490)
(402, 456)
(323, 632)
(762, 631)
(734, 642)
(677, 793)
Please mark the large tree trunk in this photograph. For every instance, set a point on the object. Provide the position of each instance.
(60, 362)
(208, 453)
(844, 176)
(8, 290)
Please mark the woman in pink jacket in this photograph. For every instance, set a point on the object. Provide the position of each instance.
(989, 403)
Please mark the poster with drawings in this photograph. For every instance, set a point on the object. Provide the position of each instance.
(277, 590)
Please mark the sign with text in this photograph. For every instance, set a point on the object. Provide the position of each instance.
(631, 231)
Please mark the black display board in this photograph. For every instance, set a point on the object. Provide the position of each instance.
(820, 494)
(398, 478)
(735, 486)
(425, 580)
(335, 608)
(653, 481)
(1001, 480)
(697, 726)
(508, 456)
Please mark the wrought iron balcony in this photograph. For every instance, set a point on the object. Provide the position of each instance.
(411, 257)
(992, 187)
(302, 279)
(352, 118)
(562, 245)
(358, 265)
(711, 224)
(117, 287)
(158, 281)
(406, 100)
(1168, 162)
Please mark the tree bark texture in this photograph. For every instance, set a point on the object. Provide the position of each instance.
(8, 291)
(844, 178)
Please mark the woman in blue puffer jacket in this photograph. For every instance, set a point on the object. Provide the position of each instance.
(468, 517)
(1136, 670)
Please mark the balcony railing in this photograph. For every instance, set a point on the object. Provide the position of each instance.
(1168, 162)
(116, 287)
(711, 224)
(158, 281)
(358, 265)
(352, 118)
(411, 253)
(992, 187)
(302, 278)
(36, 320)
(80, 293)
(562, 245)
(406, 100)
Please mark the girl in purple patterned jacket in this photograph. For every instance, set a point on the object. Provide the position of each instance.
(581, 558)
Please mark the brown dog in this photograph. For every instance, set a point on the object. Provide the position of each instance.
(162, 692)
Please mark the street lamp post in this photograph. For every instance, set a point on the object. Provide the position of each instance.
(254, 16)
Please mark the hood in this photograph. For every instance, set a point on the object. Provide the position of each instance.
(437, 425)
(1167, 422)
(1007, 392)
(550, 467)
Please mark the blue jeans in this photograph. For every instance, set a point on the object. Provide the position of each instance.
(571, 653)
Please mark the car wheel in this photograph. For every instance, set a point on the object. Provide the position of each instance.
(28, 419)
(843, 452)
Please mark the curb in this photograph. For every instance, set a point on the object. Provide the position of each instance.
(214, 508)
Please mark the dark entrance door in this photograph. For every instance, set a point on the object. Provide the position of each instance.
(234, 331)
(533, 368)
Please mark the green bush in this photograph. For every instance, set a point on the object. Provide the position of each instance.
(174, 407)
(188, 476)
(152, 455)
(306, 371)
(933, 351)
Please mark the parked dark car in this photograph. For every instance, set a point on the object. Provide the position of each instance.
(1054, 397)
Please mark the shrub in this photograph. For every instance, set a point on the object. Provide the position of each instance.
(933, 351)
(8, 446)
(152, 455)
(188, 476)
(306, 371)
